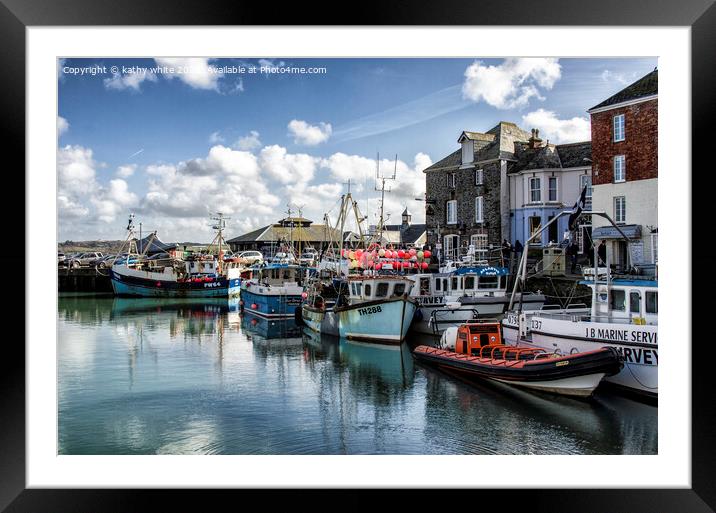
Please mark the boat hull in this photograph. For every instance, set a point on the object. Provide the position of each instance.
(321, 321)
(271, 302)
(382, 321)
(159, 285)
(637, 345)
(575, 375)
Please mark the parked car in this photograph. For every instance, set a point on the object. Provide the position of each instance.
(81, 259)
(250, 257)
(102, 262)
(283, 258)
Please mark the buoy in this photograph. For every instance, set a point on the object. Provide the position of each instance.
(427, 253)
(381, 252)
(254, 306)
(401, 253)
(412, 251)
(304, 295)
(424, 265)
(159, 284)
(378, 265)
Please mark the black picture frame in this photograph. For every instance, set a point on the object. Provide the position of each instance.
(700, 15)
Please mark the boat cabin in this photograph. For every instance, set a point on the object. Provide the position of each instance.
(482, 281)
(371, 288)
(277, 274)
(201, 266)
(635, 300)
(471, 337)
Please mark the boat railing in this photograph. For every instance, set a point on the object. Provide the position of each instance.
(582, 317)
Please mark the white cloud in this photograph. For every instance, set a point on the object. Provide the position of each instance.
(216, 138)
(621, 78)
(62, 126)
(309, 135)
(270, 63)
(194, 71)
(114, 201)
(126, 171)
(248, 142)
(286, 167)
(557, 130)
(511, 84)
(132, 80)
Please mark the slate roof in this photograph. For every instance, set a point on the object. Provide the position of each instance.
(410, 235)
(550, 156)
(573, 155)
(496, 143)
(273, 233)
(645, 86)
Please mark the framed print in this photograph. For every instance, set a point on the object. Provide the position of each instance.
(418, 252)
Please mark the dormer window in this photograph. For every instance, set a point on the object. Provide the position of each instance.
(468, 151)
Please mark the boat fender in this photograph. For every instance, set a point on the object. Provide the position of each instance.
(447, 341)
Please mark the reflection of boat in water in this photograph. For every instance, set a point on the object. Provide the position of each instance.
(546, 423)
(391, 363)
(264, 328)
(128, 306)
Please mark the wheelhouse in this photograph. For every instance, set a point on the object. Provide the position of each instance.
(633, 300)
(377, 288)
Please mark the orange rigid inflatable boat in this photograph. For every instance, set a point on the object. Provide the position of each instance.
(475, 351)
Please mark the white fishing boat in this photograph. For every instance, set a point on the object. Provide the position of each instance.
(379, 308)
(462, 293)
(623, 315)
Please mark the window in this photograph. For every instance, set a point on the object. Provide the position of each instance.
(451, 245)
(381, 290)
(489, 282)
(367, 289)
(535, 226)
(359, 289)
(437, 284)
(452, 212)
(552, 188)
(453, 285)
(651, 302)
(479, 177)
(399, 289)
(469, 282)
(468, 152)
(451, 180)
(619, 128)
(586, 181)
(634, 302)
(535, 190)
(620, 209)
(478, 209)
(619, 169)
(618, 300)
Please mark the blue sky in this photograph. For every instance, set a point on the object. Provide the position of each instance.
(174, 143)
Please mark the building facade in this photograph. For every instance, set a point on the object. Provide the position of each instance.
(544, 180)
(467, 192)
(625, 164)
(502, 185)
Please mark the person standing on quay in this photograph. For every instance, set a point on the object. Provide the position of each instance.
(602, 252)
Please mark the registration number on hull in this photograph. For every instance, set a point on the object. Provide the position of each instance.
(370, 310)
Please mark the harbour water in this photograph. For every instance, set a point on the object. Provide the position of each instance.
(150, 376)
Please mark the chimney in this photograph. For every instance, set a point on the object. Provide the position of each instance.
(535, 141)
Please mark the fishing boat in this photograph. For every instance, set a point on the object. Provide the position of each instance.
(273, 290)
(378, 308)
(623, 315)
(197, 276)
(475, 351)
(320, 299)
(461, 293)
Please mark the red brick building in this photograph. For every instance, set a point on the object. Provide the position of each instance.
(625, 170)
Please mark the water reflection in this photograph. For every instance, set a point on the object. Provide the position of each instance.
(143, 376)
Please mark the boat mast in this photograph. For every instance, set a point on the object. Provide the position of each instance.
(219, 238)
(382, 178)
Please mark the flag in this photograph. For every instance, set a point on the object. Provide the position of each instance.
(577, 209)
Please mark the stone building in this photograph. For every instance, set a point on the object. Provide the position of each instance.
(467, 194)
(625, 167)
(297, 230)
